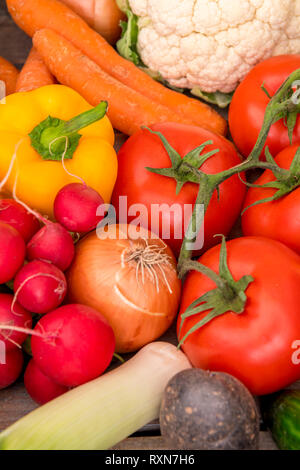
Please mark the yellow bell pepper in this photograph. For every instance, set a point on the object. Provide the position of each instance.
(39, 127)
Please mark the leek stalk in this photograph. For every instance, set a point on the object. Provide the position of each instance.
(101, 413)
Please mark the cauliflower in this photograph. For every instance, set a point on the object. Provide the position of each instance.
(208, 45)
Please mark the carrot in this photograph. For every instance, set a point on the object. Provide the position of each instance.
(34, 74)
(128, 110)
(32, 15)
(9, 75)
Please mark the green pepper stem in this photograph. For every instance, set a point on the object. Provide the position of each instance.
(68, 128)
(53, 137)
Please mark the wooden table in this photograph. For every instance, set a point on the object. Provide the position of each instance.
(14, 401)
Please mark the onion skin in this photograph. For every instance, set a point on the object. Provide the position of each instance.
(101, 278)
(102, 15)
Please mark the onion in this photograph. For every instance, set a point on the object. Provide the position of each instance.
(131, 282)
(102, 15)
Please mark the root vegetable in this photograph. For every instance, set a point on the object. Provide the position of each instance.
(39, 386)
(208, 411)
(10, 371)
(129, 278)
(52, 243)
(128, 109)
(14, 214)
(34, 15)
(16, 317)
(40, 286)
(34, 73)
(75, 207)
(12, 252)
(76, 345)
(9, 75)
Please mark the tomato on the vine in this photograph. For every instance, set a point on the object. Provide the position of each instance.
(279, 219)
(141, 186)
(256, 346)
(248, 106)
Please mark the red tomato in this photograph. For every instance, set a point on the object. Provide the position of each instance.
(143, 187)
(278, 219)
(247, 109)
(256, 346)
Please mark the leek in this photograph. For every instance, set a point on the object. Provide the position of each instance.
(101, 413)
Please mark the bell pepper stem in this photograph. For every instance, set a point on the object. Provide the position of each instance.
(54, 137)
(74, 125)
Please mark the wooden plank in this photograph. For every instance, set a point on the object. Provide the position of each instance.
(158, 443)
(14, 403)
(14, 43)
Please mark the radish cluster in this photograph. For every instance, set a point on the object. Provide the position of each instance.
(71, 344)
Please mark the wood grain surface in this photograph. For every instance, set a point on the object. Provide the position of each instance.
(14, 401)
(14, 44)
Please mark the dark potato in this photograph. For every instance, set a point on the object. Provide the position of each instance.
(208, 411)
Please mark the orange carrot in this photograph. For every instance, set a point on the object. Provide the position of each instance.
(128, 110)
(34, 74)
(9, 75)
(32, 15)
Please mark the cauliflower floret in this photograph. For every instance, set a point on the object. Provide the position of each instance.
(213, 44)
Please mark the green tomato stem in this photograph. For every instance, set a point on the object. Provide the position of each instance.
(279, 107)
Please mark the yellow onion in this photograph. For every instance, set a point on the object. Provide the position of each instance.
(102, 15)
(131, 280)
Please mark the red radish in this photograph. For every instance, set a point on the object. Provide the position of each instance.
(39, 386)
(75, 207)
(12, 252)
(77, 344)
(10, 371)
(40, 286)
(16, 317)
(14, 214)
(52, 243)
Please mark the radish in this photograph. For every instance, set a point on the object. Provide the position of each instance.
(12, 252)
(75, 344)
(12, 368)
(16, 317)
(14, 214)
(52, 243)
(39, 386)
(40, 286)
(75, 207)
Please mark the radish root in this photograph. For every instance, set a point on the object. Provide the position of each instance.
(28, 331)
(63, 157)
(11, 165)
(31, 211)
(59, 290)
(48, 337)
